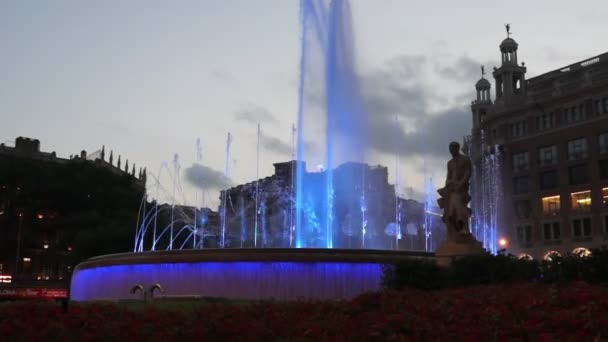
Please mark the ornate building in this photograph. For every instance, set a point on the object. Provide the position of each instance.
(276, 211)
(540, 151)
(55, 211)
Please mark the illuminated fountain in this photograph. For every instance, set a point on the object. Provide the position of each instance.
(335, 208)
(331, 123)
(487, 192)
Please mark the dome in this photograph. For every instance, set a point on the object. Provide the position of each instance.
(508, 44)
(482, 83)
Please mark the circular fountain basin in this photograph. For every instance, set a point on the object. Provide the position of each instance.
(251, 274)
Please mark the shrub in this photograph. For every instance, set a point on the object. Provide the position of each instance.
(414, 273)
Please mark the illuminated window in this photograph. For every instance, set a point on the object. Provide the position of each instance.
(581, 252)
(605, 197)
(547, 155)
(551, 205)
(581, 201)
(26, 259)
(577, 149)
(551, 256)
(581, 227)
(552, 231)
(524, 256)
(603, 141)
(521, 161)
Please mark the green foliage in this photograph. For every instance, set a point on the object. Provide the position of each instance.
(496, 269)
(414, 273)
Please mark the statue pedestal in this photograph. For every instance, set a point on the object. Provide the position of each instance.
(457, 246)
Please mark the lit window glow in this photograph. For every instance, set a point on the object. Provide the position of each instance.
(581, 200)
(581, 252)
(551, 255)
(551, 205)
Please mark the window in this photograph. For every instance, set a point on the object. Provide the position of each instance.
(605, 197)
(605, 105)
(524, 234)
(581, 227)
(581, 201)
(598, 107)
(603, 142)
(603, 169)
(523, 209)
(520, 185)
(578, 174)
(551, 231)
(545, 121)
(520, 161)
(577, 149)
(519, 129)
(551, 205)
(574, 114)
(549, 180)
(547, 155)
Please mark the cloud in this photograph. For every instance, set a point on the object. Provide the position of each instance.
(205, 178)
(464, 69)
(401, 88)
(255, 114)
(276, 145)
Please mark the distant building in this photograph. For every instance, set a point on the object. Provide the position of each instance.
(274, 226)
(54, 211)
(550, 136)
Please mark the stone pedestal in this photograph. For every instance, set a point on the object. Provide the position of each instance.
(457, 246)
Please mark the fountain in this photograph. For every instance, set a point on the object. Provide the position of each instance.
(339, 207)
(331, 125)
(487, 193)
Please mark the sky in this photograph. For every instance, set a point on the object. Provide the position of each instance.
(148, 78)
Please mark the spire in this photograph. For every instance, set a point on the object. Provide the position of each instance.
(118, 164)
(103, 153)
(133, 170)
(111, 157)
(510, 77)
(127, 166)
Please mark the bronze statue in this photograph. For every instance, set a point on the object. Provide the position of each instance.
(455, 194)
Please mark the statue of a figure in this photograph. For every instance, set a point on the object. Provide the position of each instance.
(455, 195)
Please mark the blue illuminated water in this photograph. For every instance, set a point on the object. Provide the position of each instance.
(331, 119)
(237, 280)
(486, 194)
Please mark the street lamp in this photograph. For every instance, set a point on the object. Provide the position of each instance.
(503, 243)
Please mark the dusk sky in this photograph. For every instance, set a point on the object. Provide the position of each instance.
(147, 78)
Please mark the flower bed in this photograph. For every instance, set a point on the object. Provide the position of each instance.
(575, 311)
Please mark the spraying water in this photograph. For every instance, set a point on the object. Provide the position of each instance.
(331, 120)
(225, 193)
(486, 190)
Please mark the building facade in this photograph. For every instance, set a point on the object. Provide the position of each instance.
(55, 212)
(390, 222)
(548, 139)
